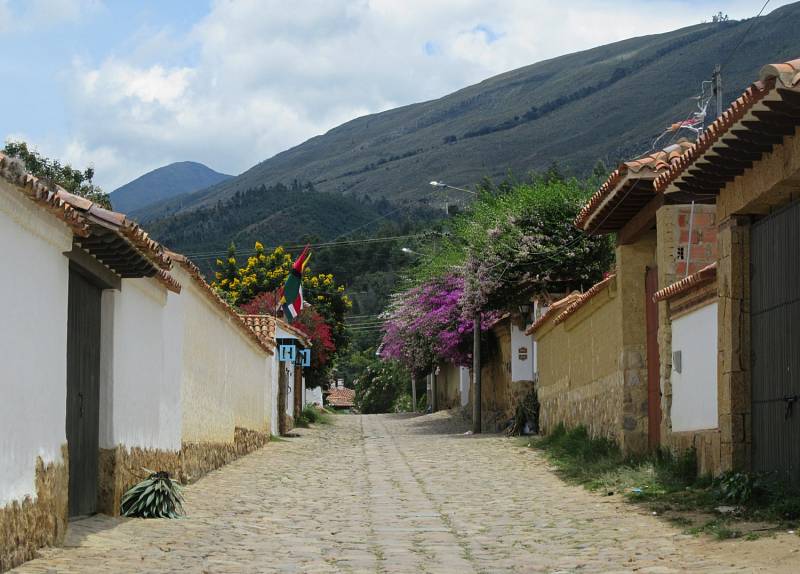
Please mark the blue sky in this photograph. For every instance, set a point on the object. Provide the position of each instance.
(129, 86)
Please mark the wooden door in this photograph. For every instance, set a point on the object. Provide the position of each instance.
(653, 361)
(83, 387)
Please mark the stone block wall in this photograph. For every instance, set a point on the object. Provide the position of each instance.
(28, 525)
(121, 468)
(581, 380)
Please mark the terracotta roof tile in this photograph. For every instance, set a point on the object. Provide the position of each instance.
(583, 299)
(12, 171)
(704, 276)
(212, 295)
(648, 166)
(552, 311)
(167, 281)
(301, 336)
(785, 75)
(121, 224)
(263, 325)
(341, 397)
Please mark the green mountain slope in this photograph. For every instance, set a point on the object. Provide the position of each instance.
(165, 183)
(607, 103)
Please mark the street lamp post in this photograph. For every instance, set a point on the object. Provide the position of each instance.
(476, 340)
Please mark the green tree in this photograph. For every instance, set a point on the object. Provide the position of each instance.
(73, 180)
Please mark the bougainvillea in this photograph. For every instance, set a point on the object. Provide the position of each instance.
(426, 324)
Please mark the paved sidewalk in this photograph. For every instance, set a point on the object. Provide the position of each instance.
(400, 493)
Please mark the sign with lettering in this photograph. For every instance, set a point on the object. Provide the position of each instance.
(287, 353)
(304, 358)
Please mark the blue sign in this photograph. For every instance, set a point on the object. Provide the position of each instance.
(287, 353)
(304, 360)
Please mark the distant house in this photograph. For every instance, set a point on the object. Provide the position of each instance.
(117, 356)
(508, 371)
(340, 397)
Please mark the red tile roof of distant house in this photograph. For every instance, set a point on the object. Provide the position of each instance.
(583, 299)
(341, 397)
(782, 80)
(704, 276)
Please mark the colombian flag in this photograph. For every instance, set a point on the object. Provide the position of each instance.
(292, 298)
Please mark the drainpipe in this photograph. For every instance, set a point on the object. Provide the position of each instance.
(689, 246)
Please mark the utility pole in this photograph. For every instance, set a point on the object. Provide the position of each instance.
(413, 393)
(717, 78)
(476, 374)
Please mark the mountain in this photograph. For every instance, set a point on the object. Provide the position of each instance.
(163, 183)
(608, 103)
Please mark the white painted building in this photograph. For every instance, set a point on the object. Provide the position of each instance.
(111, 362)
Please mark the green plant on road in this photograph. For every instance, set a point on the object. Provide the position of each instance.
(157, 496)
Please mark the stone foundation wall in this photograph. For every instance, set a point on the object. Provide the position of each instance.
(121, 468)
(597, 406)
(707, 443)
(30, 524)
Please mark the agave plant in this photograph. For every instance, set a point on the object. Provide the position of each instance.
(158, 496)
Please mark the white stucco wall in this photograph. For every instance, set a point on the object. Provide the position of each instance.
(521, 370)
(314, 396)
(274, 365)
(289, 368)
(33, 341)
(463, 386)
(140, 386)
(226, 377)
(694, 389)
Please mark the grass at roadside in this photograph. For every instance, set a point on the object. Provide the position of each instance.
(313, 415)
(731, 506)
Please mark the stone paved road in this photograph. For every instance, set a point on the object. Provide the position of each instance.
(396, 493)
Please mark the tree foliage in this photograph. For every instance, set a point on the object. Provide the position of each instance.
(380, 385)
(254, 287)
(515, 241)
(73, 180)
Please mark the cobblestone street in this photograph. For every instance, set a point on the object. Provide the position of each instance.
(398, 493)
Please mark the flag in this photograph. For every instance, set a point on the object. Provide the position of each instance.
(292, 297)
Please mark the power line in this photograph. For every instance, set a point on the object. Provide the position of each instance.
(746, 32)
(215, 254)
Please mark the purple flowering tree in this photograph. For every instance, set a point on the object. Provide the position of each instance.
(426, 324)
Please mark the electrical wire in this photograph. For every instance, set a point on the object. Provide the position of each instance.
(744, 36)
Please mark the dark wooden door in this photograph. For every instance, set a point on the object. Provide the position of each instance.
(775, 343)
(653, 360)
(83, 387)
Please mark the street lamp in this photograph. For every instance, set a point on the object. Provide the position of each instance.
(410, 251)
(476, 341)
(443, 185)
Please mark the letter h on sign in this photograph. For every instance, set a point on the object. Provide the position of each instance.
(304, 358)
(287, 353)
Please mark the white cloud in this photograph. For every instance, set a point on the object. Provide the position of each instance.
(266, 74)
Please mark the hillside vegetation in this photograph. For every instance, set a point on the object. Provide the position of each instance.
(163, 183)
(607, 103)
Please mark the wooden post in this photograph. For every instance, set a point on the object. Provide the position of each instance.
(413, 394)
(298, 391)
(434, 402)
(282, 399)
(476, 374)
